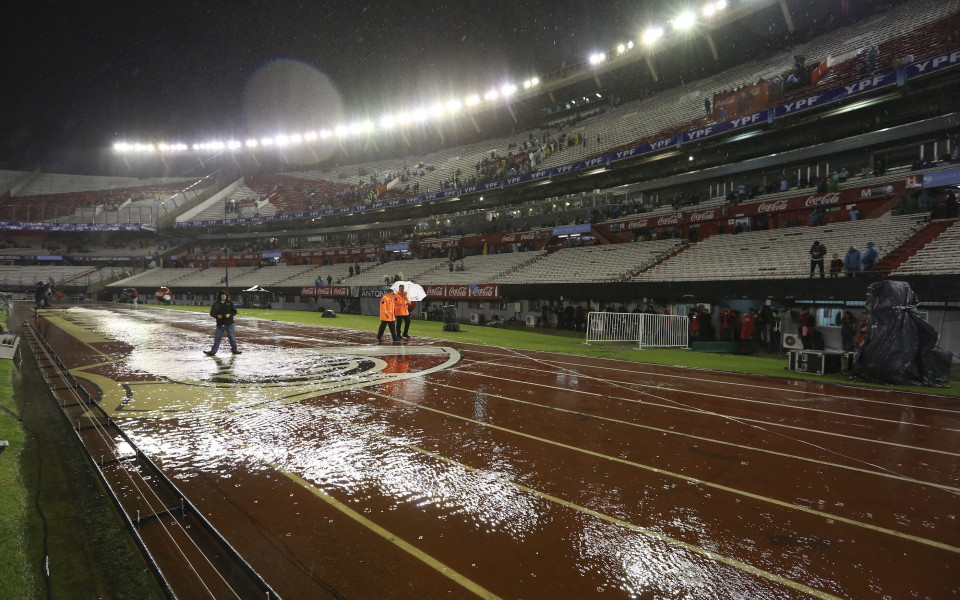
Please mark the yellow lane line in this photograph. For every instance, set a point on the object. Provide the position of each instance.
(403, 545)
(587, 511)
(688, 479)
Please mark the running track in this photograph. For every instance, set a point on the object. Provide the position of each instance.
(340, 468)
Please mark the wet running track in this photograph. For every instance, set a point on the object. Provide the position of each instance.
(341, 468)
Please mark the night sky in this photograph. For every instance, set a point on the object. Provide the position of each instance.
(82, 74)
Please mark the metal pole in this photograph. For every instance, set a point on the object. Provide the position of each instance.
(226, 261)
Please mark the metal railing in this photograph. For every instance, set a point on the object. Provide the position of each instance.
(644, 329)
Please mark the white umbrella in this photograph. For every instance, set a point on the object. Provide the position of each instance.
(414, 292)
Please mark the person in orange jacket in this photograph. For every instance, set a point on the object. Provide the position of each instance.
(387, 316)
(402, 310)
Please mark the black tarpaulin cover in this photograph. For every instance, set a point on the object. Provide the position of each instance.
(900, 346)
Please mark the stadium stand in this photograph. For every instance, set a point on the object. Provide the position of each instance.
(942, 255)
(780, 253)
(435, 232)
(612, 262)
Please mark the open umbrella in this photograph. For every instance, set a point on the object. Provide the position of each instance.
(414, 292)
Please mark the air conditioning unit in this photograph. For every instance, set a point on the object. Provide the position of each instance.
(474, 318)
(791, 341)
(531, 320)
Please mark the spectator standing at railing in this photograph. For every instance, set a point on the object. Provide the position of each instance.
(852, 260)
(817, 252)
(872, 55)
(836, 265)
(870, 257)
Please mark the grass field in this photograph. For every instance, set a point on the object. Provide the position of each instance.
(567, 342)
(17, 580)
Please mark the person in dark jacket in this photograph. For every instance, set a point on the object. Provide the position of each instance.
(870, 257)
(848, 329)
(817, 252)
(223, 310)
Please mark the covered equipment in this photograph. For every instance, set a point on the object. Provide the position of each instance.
(900, 346)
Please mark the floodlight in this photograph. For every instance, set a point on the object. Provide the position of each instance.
(535, 81)
(366, 126)
(650, 36)
(234, 144)
(403, 118)
(437, 110)
(527, 84)
(711, 8)
(471, 100)
(684, 20)
(355, 128)
(387, 121)
(419, 115)
(491, 95)
(621, 48)
(341, 130)
(596, 59)
(310, 136)
(508, 89)
(325, 133)
(281, 140)
(266, 141)
(453, 105)
(251, 143)
(296, 138)
(196, 147)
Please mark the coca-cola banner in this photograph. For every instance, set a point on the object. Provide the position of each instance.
(442, 244)
(474, 291)
(661, 221)
(809, 201)
(327, 291)
(526, 236)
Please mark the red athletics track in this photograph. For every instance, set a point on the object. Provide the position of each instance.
(431, 469)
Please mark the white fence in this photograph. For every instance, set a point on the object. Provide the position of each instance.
(646, 330)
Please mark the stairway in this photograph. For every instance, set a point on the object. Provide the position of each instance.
(663, 258)
(930, 232)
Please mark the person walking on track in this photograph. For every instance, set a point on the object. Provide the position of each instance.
(223, 310)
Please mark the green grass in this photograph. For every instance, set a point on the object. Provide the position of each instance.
(565, 342)
(17, 580)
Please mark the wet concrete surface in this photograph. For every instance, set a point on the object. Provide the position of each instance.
(340, 468)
